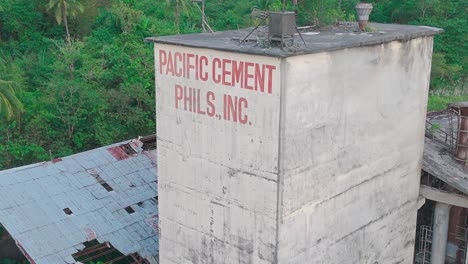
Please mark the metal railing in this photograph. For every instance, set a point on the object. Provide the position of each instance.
(423, 255)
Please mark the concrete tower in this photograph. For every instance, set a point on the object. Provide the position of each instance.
(306, 154)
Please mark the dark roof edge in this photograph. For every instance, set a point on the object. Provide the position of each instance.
(428, 32)
(251, 52)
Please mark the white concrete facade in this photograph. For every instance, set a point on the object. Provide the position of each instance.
(353, 125)
(218, 197)
(323, 168)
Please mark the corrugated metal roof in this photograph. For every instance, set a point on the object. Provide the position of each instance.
(33, 199)
(438, 156)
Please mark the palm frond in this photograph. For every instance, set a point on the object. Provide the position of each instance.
(72, 8)
(9, 103)
(58, 15)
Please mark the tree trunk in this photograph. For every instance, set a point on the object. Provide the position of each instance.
(177, 16)
(423, 8)
(203, 16)
(65, 22)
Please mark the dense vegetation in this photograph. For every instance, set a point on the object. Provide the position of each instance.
(84, 77)
(10, 261)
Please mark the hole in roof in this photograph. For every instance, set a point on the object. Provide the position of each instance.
(107, 186)
(149, 142)
(128, 149)
(95, 252)
(67, 211)
(154, 201)
(129, 210)
(140, 204)
(101, 181)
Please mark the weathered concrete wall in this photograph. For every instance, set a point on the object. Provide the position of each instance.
(217, 177)
(320, 167)
(353, 129)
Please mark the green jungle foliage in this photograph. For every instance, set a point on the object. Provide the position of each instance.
(10, 261)
(80, 77)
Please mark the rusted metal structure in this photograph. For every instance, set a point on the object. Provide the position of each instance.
(363, 10)
(450, 129)
(459, 113)
(444, 183)
(282, 27)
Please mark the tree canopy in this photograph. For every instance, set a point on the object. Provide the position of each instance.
(96, 86)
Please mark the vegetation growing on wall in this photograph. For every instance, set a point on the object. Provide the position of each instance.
(85, 77)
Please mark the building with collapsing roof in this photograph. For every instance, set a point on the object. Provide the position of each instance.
(98, 204)
(442, 225)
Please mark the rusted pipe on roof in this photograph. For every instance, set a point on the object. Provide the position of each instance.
(461, 148)
(363, 10)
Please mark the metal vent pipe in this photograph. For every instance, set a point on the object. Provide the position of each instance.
(461, 148)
